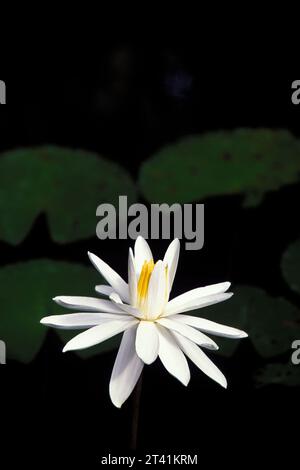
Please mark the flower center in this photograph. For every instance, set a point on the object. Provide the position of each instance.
(142, 297)
(143, 283)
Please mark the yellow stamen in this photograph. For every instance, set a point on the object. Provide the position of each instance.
(167, 283)
(144, 279)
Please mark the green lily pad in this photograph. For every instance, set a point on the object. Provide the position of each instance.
(244, 161)
(26, 297)
(291, 266)
(279, 374)
(271, 323)
(68, 185)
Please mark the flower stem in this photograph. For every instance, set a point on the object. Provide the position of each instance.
(135, 414)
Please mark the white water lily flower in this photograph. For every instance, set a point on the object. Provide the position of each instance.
(152, 325)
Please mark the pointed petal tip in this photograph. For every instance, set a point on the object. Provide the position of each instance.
(223, 382)
(186, 381)
(114, 297)
(212, 347)
(115, 399)
(142, 357)
(139, 239)
(58, 299)
(240, 334)
(243, 334)
(47, 321)
(147, 362)
(116, 403)
(68, 347)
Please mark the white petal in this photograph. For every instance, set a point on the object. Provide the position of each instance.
(157, 290)
(104, 290)
(113, 278)
(124, 307)
(89, 304)
(127, 308)
(131, 310)
(199, 358)
(99, 333)
(180, 306)
(114, 297)
(142, 253)
(189, 332)
(147, 342)
(82, 320)
(132, 278)
(200, 292)
(209, 326)
(127, 370)
(171, 259)
(172, 357)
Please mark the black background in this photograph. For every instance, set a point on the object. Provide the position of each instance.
(123, 104)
